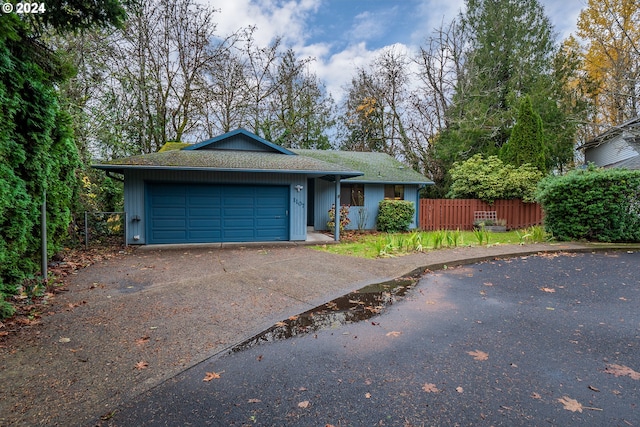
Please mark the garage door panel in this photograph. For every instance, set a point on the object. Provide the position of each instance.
(170, 201)
(205, 236)
(209, 212)
(169, 223)
(170, 212)
(176, 235)
(270, 212)
(270, 222)
(204, 223)
(238, 223)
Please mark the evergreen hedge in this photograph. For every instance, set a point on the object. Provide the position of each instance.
(592, 204)
(37, 155)
(395, 215)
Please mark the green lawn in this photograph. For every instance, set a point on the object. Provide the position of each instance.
(374, 245)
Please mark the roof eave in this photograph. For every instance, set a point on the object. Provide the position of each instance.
(319, 173)
(392, 182)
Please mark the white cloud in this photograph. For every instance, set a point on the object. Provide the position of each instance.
(272, 18)
(366, 26)
(563, 15)
(435, 13)
(291, 19)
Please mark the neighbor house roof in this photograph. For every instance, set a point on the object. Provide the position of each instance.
(631, 127)
(229, 161)
(377, 167)
(632, 163)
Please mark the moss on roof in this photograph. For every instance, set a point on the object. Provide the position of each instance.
(170, 146)
(250, 161)
(377, 167)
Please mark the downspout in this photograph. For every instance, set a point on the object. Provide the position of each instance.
(336, 231)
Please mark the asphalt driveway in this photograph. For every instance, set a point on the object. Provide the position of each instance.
(133, 321)
(534, 340)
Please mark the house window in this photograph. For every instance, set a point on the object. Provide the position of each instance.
(352, 194)
(394, 192)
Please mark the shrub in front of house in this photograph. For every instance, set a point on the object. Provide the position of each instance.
(395, 215)
(344, 218)
(592, 204)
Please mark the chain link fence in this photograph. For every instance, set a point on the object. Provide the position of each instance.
(103, 229)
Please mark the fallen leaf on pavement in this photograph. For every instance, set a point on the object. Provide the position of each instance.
(570, 404)
(593, 388)
(550, 290)
(459, 389)
(430, 388)
(142, 340)
(142, 365)
(621, 370)
(367, 395)
(254, 401)
(478, 355)
(573, 405)
(394, 334)
(211, 376)
(535, 395)
(303, 404)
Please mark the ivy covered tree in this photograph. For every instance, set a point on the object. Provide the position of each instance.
(38, 156)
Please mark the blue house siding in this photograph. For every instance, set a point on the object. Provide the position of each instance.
(135, 187)
(360, 217)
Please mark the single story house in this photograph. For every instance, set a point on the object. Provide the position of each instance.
(618, 147)
(238, 187)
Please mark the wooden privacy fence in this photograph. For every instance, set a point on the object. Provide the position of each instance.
(452, 214)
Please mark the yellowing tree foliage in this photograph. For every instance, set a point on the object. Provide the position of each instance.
(612, 58)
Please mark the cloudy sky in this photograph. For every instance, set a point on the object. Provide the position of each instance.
(344, 34)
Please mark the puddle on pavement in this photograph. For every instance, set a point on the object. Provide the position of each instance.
(357, 306)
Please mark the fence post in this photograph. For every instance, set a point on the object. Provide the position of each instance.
(86, 230)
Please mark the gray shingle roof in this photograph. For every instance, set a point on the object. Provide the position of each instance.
(632, 163)
(245, 161)
(377, 167)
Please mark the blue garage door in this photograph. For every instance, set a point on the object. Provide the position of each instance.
(217, 213)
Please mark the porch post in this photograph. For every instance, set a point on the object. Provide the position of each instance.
(336, 232)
